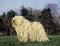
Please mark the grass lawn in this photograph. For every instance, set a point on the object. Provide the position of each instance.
(13, 41)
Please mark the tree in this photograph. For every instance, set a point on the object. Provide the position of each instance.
(27, 13)
(47, 21)
(10, 14)
(7, 21)
(3, 15)
(24, 11)
(54, 10)
(29, 16)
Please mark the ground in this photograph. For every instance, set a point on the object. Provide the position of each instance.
(13, 41)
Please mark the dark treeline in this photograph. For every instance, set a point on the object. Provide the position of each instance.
(5, 23)
(45, 17)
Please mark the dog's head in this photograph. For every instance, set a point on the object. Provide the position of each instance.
(17, 21)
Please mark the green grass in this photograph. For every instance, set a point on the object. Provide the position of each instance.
(13, 41)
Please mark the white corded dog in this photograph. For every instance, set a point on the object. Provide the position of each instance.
(26, 30)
